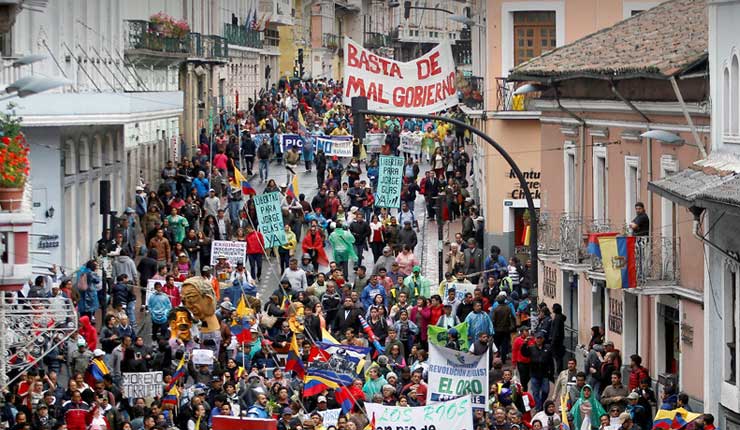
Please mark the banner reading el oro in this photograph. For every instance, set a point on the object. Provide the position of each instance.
(454, 374)
(421, 86)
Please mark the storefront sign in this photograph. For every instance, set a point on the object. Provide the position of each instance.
(48, 241)
(549, 281)
(533, 183)
(422, 86)
(142, 384)
(390, 181)
(234, 251)
(454, 414)
(270, 217)
(616, 315)
(454, 374)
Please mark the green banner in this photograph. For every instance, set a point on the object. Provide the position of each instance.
(438, 335)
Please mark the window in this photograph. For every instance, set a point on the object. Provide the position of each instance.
(534, 33)
(570, 178)
(731, 321)
(599, 182)
(734, 96)
(726, 102)
(631, 185)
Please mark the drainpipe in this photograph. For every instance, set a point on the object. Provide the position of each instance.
(686, 115)
(649, 147)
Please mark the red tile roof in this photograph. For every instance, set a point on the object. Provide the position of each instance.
(661, 42)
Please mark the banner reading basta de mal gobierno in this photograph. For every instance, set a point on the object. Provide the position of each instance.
(420, 86)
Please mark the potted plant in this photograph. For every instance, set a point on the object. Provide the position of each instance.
(14, 164)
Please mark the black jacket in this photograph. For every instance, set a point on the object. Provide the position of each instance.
(541, 363)
(557, 330)
(361, 231)
(342, 323)
(312, 328)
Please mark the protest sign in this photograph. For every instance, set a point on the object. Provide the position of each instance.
(410, 143)
(373, 142)
(222, 422)
(202, 356)
(142, 384)
(454, 374)
(150, 286)
(421, 86)
(288, 141)
(343, 362)
(234, 251)
(331, 416)
(461, 288)
(455, 414)
(270, 217)
(390, 181)
(259, 137)
(341, 146)
(438, 335)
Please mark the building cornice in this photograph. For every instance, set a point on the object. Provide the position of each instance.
(637, 125)
(656, 108)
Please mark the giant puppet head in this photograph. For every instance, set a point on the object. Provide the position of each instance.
(181, 320)
(295, 317)
(200, 299)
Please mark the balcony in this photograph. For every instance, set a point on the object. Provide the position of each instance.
(376, 40)
(144, 43)
(208, 48)
(599, 226)
(240, 35)
(462, 53)
(471, 90)
(329, 41)
(547, 234)
(506, 99)
(657, 260)
(571, 244)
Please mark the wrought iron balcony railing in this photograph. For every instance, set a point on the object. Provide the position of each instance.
(571, 244)
(506, 100)
(330, 41)
(376, 40)
(547, 233)
(242, 36)
(143, 35)
(657, 259)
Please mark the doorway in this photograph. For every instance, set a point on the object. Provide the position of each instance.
(631, 334)
(670, 321)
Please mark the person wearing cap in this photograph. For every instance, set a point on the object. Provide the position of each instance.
(418, 285)
(385, 260)
(335, 169)
(541, 368)
(309, 269)
(640, 417)
(626, 423)
(448, 319)
(286, 419)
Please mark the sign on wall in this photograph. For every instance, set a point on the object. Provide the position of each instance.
(422, 86)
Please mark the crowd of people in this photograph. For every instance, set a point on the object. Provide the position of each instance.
(349, 272)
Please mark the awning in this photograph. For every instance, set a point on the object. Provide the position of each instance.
(725, 197)
(684, 187)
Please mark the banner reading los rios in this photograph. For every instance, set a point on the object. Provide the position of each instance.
(421, 86)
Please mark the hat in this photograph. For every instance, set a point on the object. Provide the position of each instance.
(334, 157)
(417, 268)
(501, 294)
(389, 374)
(182, 254)
(624, 417)
(632, 396)
(227, 306)
(452, 331)
(287, 411)
(139, 188)
(129, 211)
(198, 391)
(81, 341)
(353, 209)
(306, 257)
(205, 269)
(215, 378)
(211, 190)
(471, 241)
(221, 256)
(42, 405)
(540, 334)
(387, 248)
(97, 352)
(321, 399)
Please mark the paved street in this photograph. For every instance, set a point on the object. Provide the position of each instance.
(426, 250)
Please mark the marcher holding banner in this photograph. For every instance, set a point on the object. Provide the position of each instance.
(390, 181)
(454, 414)
(454, 374)
(270, 216)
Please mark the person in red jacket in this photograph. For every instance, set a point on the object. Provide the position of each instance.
(75, 412)
(255, 250)
(637, 372)
(517, 359)
(89, 332)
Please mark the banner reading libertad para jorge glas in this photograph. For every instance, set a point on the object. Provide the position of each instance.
(421, 86)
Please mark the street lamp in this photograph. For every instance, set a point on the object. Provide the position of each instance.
(28, 59)
(31, 85)
(470, 22)
(530, 88)
(663, 136)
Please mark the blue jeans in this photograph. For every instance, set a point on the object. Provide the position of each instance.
(234, 206)
(540, 388)
(131, 312)
(264, 166)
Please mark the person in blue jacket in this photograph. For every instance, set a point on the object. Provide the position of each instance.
(159, 308)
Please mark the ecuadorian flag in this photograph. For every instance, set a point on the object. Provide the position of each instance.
(618, 258)
(673, 419)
